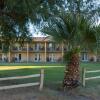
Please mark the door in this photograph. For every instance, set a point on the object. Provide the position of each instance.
(19, 57)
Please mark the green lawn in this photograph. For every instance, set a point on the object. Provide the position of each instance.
(30, 64)
(54, 72)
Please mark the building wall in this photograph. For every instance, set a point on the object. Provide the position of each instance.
(92, 57)
(40, 50)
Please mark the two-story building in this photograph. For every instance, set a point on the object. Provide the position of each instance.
(41, 49)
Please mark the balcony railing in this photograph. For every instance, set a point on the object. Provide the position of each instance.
(41, 49)
(15, 49)
(30, 49)
(19, 49)
(54, 49)
(24, 49)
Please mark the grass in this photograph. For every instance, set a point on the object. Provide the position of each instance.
(31, 64)
(54, 72)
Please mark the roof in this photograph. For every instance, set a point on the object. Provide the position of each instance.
(42, 39)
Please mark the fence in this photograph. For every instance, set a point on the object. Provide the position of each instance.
(84, 78)
(41, 75)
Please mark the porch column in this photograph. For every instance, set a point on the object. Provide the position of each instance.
(62, 51)
(45, 51)
(2, 53)
(9, 55)
(27, 52)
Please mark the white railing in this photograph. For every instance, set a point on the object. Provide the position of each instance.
(84, 78)
(41, 75)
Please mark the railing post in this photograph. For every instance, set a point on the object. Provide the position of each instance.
(41, 79)
(83, 76)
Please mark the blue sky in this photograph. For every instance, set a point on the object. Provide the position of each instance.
(35, 32)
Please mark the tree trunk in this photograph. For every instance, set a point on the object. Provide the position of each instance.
(71, 78)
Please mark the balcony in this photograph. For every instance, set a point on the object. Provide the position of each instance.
(41, 49)
(19, 49)
(24, 49)
(54, 49)
(58, 49)
(14, 49)
(30, 49)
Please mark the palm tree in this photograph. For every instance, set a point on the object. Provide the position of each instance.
(77, 33)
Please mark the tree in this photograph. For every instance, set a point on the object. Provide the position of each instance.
(16, 15)
(97, 28)
(74, 28)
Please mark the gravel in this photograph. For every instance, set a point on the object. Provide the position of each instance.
(31, 93)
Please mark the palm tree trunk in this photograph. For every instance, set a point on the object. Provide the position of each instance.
(71, 78)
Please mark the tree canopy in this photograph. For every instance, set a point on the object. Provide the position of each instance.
(75, 23)
(15, 15)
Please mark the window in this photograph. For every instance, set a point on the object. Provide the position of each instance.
(37, 46)
(50, 45)
(37, 57)
(84, 56)
(51, 57)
